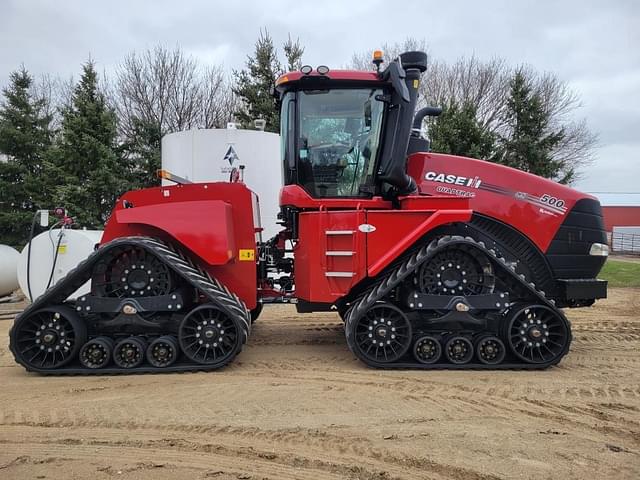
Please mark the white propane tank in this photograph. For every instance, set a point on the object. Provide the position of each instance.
(8, 270)
(75, 246)
(210, 156)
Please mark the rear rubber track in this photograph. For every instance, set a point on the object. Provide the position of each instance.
(182, 266)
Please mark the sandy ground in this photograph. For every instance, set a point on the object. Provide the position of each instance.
(296, 404)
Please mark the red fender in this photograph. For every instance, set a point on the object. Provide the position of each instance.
(205, 226)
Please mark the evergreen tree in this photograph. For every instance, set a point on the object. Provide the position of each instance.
(457, 131)
(255, 83)
(142, 150)
(86, 166)
(25, 137)
(293, 51)
(531, 141)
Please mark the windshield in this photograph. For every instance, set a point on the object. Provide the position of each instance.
(338, 139)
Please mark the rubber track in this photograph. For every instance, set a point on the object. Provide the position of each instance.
(397, 275)
(180, 263)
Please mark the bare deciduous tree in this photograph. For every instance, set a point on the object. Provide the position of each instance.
(362, 60)
(170, 89)
(484, 85)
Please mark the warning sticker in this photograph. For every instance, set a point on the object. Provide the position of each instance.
(62, 249)
(246, 254)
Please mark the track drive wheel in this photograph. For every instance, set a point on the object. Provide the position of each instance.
(129, 352)
(207, 335)
(427, 349)
(458, 270)
(381, 335)
(538, 334)
(132, 272)
(48, 338)
(96, 353)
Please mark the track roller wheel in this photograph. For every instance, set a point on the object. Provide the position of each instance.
(538, 334)
(207, 335)
(382, 334)
(129, 352)
(163, 351)
(458, 350)
(48, 338)
(427, 349)
(96, 353)
(490, 350)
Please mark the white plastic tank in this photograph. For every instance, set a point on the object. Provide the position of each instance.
(8, 270)
(211, 155)
(74, 247)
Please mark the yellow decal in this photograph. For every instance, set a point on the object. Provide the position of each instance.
(246, 255)
(62, 248)
(416, 83)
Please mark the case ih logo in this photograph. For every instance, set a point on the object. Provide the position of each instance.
(453, 179)
(231, 155)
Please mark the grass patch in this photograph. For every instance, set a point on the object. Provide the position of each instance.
(620, 273)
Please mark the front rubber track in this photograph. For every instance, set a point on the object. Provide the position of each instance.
(407, 267)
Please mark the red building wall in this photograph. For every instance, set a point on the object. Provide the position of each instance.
(621, 217)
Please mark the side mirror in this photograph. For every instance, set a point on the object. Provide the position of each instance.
(291, 135)
(396, 74)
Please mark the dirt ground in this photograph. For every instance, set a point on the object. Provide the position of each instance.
(296, 404)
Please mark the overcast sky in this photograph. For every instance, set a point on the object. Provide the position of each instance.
(593, 45)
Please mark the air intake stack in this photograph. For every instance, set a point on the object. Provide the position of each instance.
(404, 74)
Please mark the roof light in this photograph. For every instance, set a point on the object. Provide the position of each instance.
(306, 70)
(167, 175)
(322, 69)
(282, 79)
(377, 59)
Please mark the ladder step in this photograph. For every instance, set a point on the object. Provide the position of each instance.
(339, 274)
(339, 253)
(339, 232)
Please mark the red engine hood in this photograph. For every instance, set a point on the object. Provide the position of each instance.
(533, 205)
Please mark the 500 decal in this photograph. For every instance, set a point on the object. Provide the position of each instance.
(553, 201)
(453, 179)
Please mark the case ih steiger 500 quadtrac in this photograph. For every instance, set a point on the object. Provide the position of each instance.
(431, 260)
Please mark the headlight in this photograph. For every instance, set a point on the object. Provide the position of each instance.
(599, 250)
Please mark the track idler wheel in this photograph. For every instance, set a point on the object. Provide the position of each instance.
(96, 353)
(458, 350)
(538, 334)
(490, 350)
(48, 338)
(382, 334)
(207, 335)
(163, 351)
(129, 352)
(427, 349)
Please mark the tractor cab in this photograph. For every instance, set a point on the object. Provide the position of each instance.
(345, 133)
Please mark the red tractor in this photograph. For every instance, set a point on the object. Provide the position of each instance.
(431, 260)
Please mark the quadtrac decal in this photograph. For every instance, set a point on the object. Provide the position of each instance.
(455, 181)
(547, 204)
